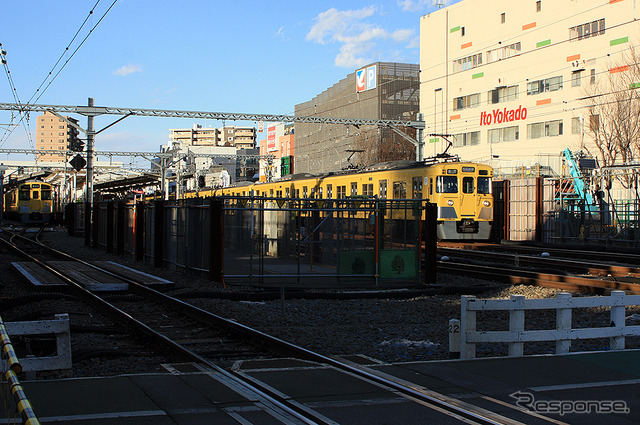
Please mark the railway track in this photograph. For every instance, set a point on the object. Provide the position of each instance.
(544, 270)
(215, 344)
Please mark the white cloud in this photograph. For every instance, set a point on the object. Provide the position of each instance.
(127, 69)
(418, 5)
(279, 33)
(358, 37)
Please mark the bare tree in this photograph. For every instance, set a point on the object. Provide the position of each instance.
(613, 104)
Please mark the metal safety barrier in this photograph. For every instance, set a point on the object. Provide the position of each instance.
(11, 367)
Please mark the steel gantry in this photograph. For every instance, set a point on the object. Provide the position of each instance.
(91, 111)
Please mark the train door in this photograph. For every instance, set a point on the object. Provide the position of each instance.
(467, 197)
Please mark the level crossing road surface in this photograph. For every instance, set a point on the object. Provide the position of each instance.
(187, 395)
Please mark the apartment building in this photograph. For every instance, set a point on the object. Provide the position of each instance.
(512, 80)
(53, 134)
(239, 137)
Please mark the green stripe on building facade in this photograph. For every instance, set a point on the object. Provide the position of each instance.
(454, 29)
(543, 43)
(619, 41)
(478, 75)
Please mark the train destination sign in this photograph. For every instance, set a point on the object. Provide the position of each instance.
(499, 116)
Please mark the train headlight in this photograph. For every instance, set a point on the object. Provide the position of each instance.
(450, 202)
(486, 203)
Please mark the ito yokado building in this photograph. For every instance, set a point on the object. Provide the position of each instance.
(508, 78)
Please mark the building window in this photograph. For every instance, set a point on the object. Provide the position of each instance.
(503, 18)
(502, 94)
(546, 85)
(576, 125)
(590, 29)
(464, 102)
(593, 76)
(576, 78)
(538, 5)
(594, 123)
(467, 63)
(466, 139)
(504, 52)
(544, 129)
(505, 134)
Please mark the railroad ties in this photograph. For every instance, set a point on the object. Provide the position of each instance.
(90, 278)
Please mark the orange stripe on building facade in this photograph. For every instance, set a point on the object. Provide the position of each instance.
(543, 101)
(614, 1)
(454, 117)
(622, 68)
(573, 58)
(528, 26)
(465, 45)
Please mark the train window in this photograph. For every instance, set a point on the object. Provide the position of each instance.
(354, 188)
(400, 190)
(367, 190)
(297, 193)
(467, 185)
(271, 193)
(305, 191)
(320, 192)
(35, 194)
(329, 191)
(383, 189)
(24, 195)
(279, 194)
(417, 188)
(342, 192)
(447, 184)
(484, 185)
(286, 192)
(483, 172)
(430, 186)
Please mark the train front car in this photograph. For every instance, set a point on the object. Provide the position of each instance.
(31, 202)
(462, 192)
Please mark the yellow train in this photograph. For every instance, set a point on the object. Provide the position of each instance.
(461, 190)
(30, 202)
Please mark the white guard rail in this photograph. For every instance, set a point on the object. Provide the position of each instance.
(464, 336)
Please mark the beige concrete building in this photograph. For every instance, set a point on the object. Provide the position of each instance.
(508, 78)
(239, 137)
(53, 134)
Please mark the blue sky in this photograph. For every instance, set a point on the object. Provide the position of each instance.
(221, 56)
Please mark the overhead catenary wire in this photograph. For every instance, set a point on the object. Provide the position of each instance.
(40, 93)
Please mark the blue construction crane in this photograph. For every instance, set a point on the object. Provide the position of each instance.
(578, 182)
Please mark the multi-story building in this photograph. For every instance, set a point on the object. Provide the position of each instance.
(239, 137)
(381, 90)
(53, 133)
(514, 81)
(280, 143)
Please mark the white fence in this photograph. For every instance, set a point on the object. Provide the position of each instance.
(60, 327)
(464, 336)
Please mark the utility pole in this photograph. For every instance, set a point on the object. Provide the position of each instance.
(90, 138)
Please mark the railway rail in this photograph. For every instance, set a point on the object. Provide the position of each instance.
(215, 343)
(549, 271)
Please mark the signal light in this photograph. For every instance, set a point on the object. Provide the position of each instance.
(75, 144)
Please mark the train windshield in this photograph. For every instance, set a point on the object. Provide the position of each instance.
(484, 185)
(46, 194)
(447, 184)
(25, 194)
